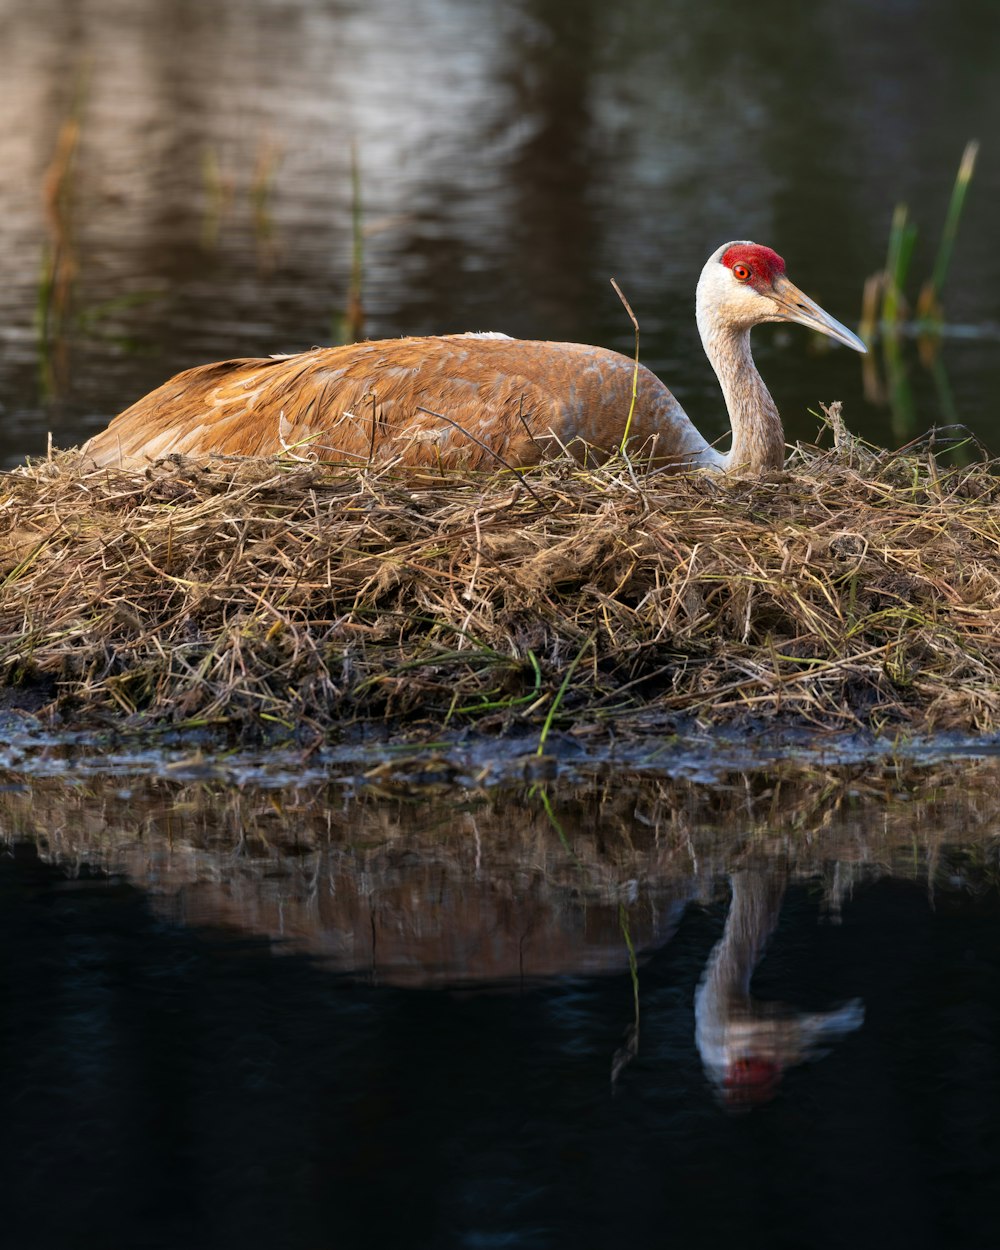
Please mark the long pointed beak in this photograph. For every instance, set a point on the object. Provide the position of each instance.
(794, 305)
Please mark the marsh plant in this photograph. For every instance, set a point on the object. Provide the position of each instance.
(889, 316)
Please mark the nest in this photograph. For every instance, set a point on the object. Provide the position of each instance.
(852, 588)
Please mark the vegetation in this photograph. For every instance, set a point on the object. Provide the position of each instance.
(853, 588)
(887, 315)
(426, 880)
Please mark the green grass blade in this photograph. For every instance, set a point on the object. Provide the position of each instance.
(902, 237)
(966, 169)
(561, 692)
(635, 372)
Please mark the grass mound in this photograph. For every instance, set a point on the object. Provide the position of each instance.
(851, 588)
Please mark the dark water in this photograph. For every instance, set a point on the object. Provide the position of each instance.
(289, 1016)
(513, 158)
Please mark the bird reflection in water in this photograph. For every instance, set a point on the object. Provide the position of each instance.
(745, 1043)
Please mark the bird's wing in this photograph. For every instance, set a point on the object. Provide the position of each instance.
(446, 401)
(423, 400)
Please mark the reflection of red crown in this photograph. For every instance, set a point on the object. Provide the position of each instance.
(751, 1079)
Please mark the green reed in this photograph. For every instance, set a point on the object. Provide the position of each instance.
(888, 315)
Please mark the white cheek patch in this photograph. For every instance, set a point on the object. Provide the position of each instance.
(724, 299)
(748, 301)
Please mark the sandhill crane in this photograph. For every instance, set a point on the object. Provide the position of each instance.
(746, 1044)
(476, 400)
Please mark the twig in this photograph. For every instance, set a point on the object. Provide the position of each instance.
(487, 448)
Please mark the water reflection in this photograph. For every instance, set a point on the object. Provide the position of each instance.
(250, 1017)
(511, 888)
(746, 1043)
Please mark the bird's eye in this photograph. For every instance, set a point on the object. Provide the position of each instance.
(741, 273)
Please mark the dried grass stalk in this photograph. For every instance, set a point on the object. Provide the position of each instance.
(853, 588)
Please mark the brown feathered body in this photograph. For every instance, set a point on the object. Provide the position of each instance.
(481, 400)
(470, 400)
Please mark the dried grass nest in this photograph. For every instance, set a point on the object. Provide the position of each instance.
(853, 588)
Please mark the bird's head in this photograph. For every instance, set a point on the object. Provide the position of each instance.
(744, 284)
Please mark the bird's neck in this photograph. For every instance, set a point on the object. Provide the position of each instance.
(753, 917)
(758, 439)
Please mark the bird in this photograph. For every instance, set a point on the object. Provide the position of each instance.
(746, 1043)
(481, 400)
